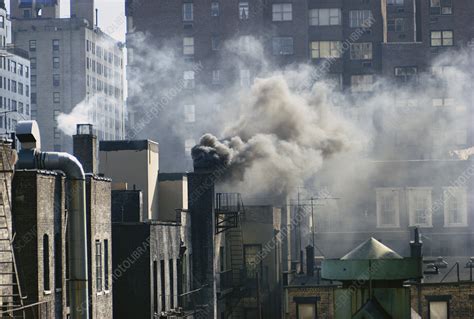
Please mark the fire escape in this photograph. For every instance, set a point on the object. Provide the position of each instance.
(229, 209)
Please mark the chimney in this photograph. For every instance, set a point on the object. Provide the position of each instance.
(310, 260)
(85, 147)
(84, 9)
(416, 245)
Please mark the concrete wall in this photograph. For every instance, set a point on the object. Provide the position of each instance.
(137, 166)
(173, 195)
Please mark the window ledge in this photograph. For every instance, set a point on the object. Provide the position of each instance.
(455, 225)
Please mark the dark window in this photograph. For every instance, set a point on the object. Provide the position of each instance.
(98, 266)
(58, 265)
(215, 42)
(282, 46)
(155, 286)
(46, 274)
(396, 25)
(215, 9)
(106, 264)
(32, 45)
(56, 45)
(163, 285)
(171, 273)
(441, 7)
(251, 260)
(55, 62)
(406, 73)
(56, 80)
(188, 12)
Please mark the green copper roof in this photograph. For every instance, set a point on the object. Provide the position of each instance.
(371, 249)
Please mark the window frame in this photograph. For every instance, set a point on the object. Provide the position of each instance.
(244, 10)
(383, 191)
(334, 46)
(280, 42)
(413, 194)
(280, 12)
(441, 38)
(98, 266)
(461, 198)
(438, 298)
(188, 12)
(306, 301)
(359, 16)
(358, 53)
(319, 14)
(188, 46)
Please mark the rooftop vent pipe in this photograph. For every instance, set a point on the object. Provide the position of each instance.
(31, 157)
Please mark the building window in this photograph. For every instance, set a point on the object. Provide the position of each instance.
(243, 10)
(33, 98)
(98, 266)
(244, 78)
(216, 76)
(33, 63)
(171, 282)
(438, 306)
(419, 206)
(441, 7)
(188, 77)
(163, 285)
(406, 73)
(27, 72)
(325, 17)
(282, 12)
(55, 62)
(455, 211)
(188, 12)
(282, 46)
(252, 263)
(188, 46)
(388, 207)
(56, 80)
(325, 49)
(441, 38)
(395, 2)
(20, 107)
(359, 18)
(396, 25)
(188, 146)
(32, 45)
(2, 22)
(56, 97)
(189, 113)
(55, 45)
(306, 310)
(106, 265)
(361, 51)
(215, 43)
(46, 266)
(155, 286)
(20, 88)
(214, 9)
(33, 80)
(13, 86)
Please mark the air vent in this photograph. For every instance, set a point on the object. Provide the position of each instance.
(188, 25)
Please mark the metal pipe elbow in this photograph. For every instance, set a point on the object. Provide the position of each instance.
(65, 162)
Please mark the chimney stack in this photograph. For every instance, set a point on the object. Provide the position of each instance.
(416, 245)
(310, 260)
(85, 147)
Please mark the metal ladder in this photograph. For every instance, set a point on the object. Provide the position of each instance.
(10, 291)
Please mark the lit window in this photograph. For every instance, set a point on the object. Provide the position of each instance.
(188, 77)
(406, 73)
(2, 22)
(441, 7)
(188, 46)
(455, 211)
(396, 25)
(388, 207)
(361, 51)
(306, 311)
(189, 113)
(98, 266)
(282, 12)
(325, 17)
(325, 49)
(360, 18)
(188, 12)
(441, 38)
(243, 10)
(282, 46)
(214, 9)
(419, 206)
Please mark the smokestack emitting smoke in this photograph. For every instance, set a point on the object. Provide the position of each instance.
(280, 139)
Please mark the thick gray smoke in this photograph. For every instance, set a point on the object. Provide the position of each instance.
(280, 139)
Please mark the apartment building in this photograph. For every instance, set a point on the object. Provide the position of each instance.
(14, 78)
(72, 63)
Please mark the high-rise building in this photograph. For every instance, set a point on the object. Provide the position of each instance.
(14, 78)
(361, 40)
(72, 63)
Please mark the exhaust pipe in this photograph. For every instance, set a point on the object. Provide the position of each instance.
(31, 157)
